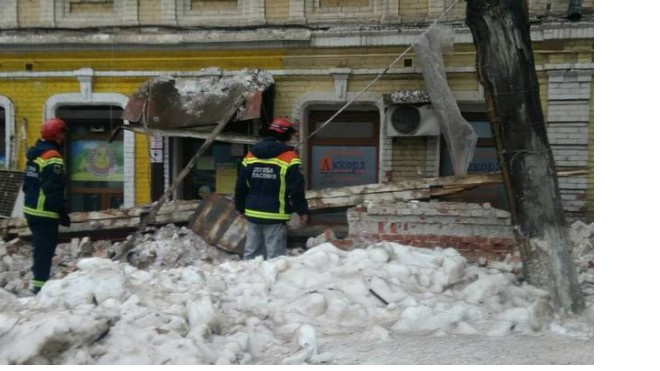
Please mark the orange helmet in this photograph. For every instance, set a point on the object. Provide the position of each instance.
(54, 130)
(282, 126)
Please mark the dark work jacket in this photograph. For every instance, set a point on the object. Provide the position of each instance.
(44, 182)
(270, 184)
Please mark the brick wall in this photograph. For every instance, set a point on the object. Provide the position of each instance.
(569, 133)
(412, 158)
(90, 13)
(474, 230)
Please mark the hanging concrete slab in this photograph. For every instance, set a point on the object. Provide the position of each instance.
(190, 106)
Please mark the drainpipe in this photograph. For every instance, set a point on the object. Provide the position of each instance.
(574, 10)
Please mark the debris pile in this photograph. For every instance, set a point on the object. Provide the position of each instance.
(191, 304)
(155, 249)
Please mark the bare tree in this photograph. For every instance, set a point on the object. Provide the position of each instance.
(505, 64)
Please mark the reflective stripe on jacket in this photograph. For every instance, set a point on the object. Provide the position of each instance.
(269, 189)
(44, 182)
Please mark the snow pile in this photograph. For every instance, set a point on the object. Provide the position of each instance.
(190, 303)
(199, 92)
(248, 312)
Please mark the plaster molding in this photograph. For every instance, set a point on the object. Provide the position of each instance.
(10, 118)
(307, 101)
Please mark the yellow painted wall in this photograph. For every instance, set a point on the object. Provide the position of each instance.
(29, 97)
(30, 94)
(191, 60)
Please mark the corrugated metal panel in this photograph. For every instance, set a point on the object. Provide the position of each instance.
(219, 224)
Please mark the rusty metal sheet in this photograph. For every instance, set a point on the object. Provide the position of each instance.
(252, 108)
(133, 110)
(219, 224)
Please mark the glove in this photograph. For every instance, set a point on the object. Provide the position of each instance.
(65, 221)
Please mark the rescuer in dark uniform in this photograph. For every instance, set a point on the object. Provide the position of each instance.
(270, 186)
(45, 205)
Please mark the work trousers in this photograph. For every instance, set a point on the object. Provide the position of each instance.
(44, 241)
(267, 240)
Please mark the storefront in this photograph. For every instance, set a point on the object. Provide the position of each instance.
(343, 153)
(95, 165)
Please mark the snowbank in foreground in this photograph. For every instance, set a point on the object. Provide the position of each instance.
(276, 311)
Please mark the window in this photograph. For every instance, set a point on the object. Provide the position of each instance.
(343, 153)
(218, 12)
(355, 11)
(485, 160)
(90, 13)
(214, 172)
(95, 167)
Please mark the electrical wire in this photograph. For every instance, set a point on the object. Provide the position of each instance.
(359, 94)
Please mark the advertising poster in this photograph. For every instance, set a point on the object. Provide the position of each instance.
(225, 177)
(338, 166)
(97, 161)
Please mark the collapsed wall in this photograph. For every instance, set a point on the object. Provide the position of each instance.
(472, 229)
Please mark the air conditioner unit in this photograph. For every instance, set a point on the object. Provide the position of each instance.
(407, 120)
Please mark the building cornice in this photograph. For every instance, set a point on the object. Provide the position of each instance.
(275, 37)
(86, 72)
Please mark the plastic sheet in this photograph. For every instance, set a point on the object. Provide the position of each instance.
(459, 134)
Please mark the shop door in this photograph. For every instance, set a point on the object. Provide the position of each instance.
(95, 167)
(344, 153)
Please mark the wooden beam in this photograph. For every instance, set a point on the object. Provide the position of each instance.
(178, 212)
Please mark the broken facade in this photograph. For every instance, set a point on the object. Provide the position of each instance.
(476, 231)
(82, 61)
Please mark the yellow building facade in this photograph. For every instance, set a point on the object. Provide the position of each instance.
(85, 58)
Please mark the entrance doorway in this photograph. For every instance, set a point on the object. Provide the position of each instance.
(95, 167)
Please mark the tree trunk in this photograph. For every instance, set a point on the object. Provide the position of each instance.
(505, 64)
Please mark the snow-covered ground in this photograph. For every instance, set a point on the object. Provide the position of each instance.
(190, 303)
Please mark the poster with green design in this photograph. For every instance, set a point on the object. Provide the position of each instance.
(97, 160)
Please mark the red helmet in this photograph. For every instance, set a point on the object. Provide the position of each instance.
(282, 126)
(54, 130)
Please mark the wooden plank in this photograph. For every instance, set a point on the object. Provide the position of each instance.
(178, 212)
(350, 200)
(222, 137)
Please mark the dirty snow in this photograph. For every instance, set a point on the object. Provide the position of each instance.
(190, 303)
